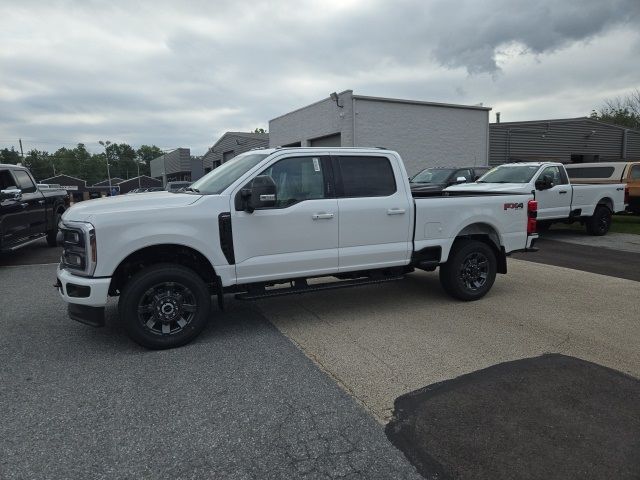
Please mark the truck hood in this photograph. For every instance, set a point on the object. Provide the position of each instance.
(138, 202)
(491, 187)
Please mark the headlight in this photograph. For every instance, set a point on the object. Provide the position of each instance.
(79, 247)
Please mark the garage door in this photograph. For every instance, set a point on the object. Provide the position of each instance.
(327, 141)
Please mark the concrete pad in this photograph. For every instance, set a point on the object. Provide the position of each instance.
(381, 341)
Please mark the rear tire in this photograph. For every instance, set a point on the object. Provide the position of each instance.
(52, 235)
(600, 222)
(470, 271)
(165, 306)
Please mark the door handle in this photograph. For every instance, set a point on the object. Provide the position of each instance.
(40, 202)
(24, 205)
(562, 192)
(395, 211)
(322, 216)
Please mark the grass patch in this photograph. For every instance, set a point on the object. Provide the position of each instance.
(622, 223)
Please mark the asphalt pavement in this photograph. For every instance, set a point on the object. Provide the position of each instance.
(241, 402)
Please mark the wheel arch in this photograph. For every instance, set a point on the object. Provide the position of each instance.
(162, 253)
(607, 202)
(485, 233)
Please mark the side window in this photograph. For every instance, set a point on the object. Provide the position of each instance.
(6, 180)
(366, 176)
(297, 179)
(466, 173)
(554, 173)
(635, 173)
(24, 181)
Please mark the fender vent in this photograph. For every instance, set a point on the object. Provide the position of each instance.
(226, 237)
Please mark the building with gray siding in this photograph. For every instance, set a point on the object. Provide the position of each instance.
(563, 140)
(177, 165)
(425, 134)
(232, 144)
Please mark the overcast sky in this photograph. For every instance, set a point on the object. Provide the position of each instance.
(181, 73)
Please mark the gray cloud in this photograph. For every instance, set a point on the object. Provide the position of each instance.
(181, 73)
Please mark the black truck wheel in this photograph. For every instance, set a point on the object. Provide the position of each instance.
(470, 270)
(52, 235)
(600, 222)
(165, 306)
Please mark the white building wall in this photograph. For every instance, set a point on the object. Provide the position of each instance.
(424, 135)
(316, 120)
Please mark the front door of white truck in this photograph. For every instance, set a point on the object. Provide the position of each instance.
(554, 202)
(298, 236)
(375, 212)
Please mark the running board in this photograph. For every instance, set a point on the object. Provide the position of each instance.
(13, 248)
(279, 292)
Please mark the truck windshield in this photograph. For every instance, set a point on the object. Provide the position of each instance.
(510, 174)
(220, 178)
(432, 175)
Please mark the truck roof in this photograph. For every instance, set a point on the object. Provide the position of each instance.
(324, 149)
(9, 165)
(529, 164)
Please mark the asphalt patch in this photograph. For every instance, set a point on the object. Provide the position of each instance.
(551, 417)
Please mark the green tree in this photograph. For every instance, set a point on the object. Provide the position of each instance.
(146, 153)
(259, 130)
(9, 156)
(39, 162)
(623, 111)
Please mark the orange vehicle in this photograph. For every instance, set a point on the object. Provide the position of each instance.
(610, 172)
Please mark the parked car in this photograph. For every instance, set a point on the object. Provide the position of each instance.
(610, 172)
(435, 179)
(558, 199)
(27, 213)
(176, 186)
(279, 216)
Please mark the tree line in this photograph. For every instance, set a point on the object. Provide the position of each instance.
(124, 161)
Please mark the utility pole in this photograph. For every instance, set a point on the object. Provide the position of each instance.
(21, 152)
(106, 155)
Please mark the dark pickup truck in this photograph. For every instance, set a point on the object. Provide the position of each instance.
(26, 213)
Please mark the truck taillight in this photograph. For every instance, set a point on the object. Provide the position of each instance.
(532, 215)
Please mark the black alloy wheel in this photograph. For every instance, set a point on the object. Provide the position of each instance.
(600, 223)
(165, 306)
(470, 271)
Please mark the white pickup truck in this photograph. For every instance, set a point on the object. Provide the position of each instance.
(558, 199)
(264, 223)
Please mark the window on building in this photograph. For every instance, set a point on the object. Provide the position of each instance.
(228, 155)
(366, 176)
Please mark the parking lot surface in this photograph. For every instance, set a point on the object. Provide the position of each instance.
(241, 402)
(382, 341)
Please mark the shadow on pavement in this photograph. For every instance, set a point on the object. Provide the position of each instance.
(548, 417)
(36, 253)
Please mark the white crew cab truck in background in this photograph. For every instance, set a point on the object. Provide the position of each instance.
(271, 218)
(558, 199)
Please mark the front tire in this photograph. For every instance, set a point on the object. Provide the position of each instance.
(470, 271)
(165, 306)
(600, 222)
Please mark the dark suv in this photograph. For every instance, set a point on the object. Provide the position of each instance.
(435, 179)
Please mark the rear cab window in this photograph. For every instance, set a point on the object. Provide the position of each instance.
(364, 176)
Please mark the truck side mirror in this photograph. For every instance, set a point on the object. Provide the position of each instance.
(544, 183)
(11, 194)
(262, 194)
(461, 180)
